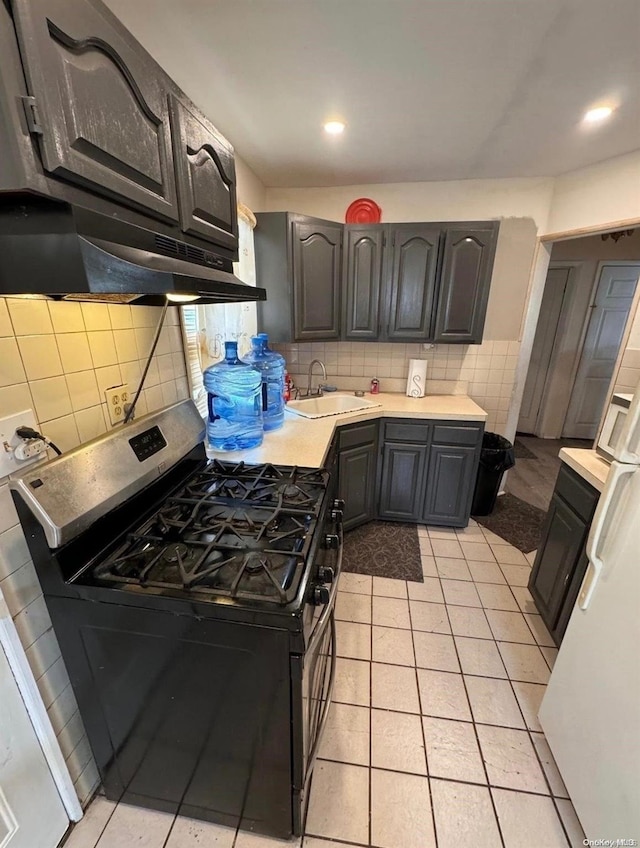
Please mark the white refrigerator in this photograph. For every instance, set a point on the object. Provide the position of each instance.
(591, 710)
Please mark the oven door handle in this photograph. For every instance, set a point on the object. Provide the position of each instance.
(318, 630)
(327, 701)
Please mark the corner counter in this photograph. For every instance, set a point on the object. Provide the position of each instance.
(588, 464)
(306, 441)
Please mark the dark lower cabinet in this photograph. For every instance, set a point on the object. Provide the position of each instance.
(402, 481)
(357, 455)
(451, 477)
(561, 561)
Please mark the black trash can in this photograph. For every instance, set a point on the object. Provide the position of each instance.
(496, 457)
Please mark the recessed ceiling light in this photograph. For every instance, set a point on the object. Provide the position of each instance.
(600, 113)
(334, 127)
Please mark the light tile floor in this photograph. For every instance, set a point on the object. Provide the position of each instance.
(433, 739)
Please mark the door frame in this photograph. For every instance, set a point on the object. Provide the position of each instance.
(19, 665)
(537, 280)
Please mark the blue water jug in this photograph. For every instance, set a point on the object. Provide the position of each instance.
(235, 402)
(272, 367)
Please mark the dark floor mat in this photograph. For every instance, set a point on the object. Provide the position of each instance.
(517, 521)
(384, 549)
(521, 451)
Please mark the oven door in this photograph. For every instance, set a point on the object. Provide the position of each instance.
(313, 676)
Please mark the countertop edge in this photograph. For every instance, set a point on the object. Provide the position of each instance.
(588, 464)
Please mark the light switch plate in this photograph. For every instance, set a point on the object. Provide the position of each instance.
(116, 398)
(8, 426)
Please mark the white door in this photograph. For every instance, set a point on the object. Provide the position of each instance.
(591, 709)
(609, 313)
(31, 812)
(555, 293)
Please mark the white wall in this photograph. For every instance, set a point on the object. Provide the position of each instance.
(600, 195)
(250, 189)
(460, 200)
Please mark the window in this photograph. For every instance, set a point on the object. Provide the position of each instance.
(205, 328)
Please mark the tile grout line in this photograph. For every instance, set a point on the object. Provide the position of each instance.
(477, 738)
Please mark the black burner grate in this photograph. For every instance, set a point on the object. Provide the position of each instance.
(233, 529)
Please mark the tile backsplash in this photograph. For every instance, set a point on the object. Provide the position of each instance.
(485, 372)
(57, 359)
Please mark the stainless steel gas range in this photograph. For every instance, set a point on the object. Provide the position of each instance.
(193, 602)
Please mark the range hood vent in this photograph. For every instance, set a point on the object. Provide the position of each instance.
(67, 252)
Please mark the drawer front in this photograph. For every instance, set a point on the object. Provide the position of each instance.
(454, 434)
(581, 497)
(358, 434)
(406, 432)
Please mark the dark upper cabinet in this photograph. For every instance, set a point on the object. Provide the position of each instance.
(561, 562)
(362, 282)
(317, 261)
(298, 261)
(205, 171)
(357, 455)
(411, 280)
(465, 278)
(100, 110)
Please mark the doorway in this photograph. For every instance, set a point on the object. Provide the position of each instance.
(584, 312)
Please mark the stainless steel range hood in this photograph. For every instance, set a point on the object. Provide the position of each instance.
(70, 253)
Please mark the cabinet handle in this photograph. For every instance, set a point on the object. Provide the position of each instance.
(598, 530)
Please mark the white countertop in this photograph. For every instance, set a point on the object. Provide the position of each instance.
(588, 464)
(305, 441)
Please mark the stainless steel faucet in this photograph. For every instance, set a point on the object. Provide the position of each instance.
(324, 377)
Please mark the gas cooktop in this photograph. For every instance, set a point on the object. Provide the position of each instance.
(234, 530)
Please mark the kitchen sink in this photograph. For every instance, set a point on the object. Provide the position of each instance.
(320, 407)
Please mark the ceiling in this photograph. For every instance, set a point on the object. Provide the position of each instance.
(430, 89)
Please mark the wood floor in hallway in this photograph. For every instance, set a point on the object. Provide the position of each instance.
(533, 480)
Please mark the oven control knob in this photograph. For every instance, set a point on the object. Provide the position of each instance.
(338, 503)
(325, 574)
(336, 516)
(331, 540)
(321, 595)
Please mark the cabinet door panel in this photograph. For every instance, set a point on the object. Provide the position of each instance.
(562, 542)
(413, 266)
(402, 481)
(464, 284)
(316, 278)
(450, 482)
(205, 172)
(356, 486)
(362, 282)
(101, 103)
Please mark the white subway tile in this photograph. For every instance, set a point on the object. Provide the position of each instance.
(108, 377)
(66, 317)
(120, 316)
(165, 367)
(29, 316)
(74, 351)
(32, 622)
(169, 393)
(40, 356)
(61, 710)
(13, 550)
(8, 514)
(62, 432)
(125, 343)
(83, 389)
(103, 348)
(90, 423)
(6, 327)
(96, 316)
(43, 653)
(21, 588)
(51, 398)
(11, 367)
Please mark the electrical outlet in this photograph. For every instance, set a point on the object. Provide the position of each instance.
(9, 441)
(116, 398)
